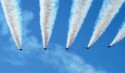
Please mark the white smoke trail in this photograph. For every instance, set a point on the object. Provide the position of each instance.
(120, 35)
(109, 9)
(48, 11)
(78, 14)
(12, 14)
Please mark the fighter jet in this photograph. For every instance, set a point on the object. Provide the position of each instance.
(21, 49)
(87, 47)
(67, 48)
(45, 48)
(109, 46)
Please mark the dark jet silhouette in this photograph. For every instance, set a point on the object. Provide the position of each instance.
(67, 48)
(109, 46)
(87, 47)
(21, 49)
(45, 48)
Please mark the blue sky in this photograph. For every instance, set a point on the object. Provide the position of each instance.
(98, 59)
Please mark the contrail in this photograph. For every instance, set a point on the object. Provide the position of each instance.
(120, 35)
(12, 14)
(78, 14)
(109, 9)
(48, 11)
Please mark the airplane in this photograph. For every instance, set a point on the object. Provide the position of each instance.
(109, 46)
(87, 47)
(67, 48)
(21, 49)
(45, 48)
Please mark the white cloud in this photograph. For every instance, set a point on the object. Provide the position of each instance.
(27, 16)
(68, 61)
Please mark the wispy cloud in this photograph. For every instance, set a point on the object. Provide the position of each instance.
(66, 62)
(18, 58)
(69, 62)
